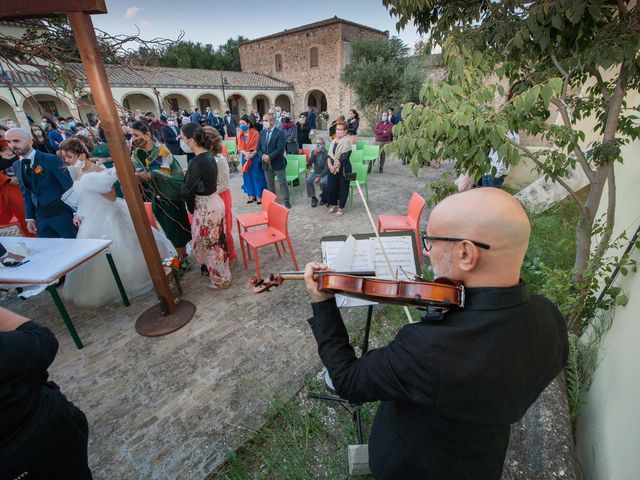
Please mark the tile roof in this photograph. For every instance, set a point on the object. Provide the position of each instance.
(165, 77)
(321, 23)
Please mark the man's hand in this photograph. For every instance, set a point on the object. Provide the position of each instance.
(14, 181)
(312, 284)
(32, 227)
(77, 220)
(15, 256)
(316, 180)
(266, 159)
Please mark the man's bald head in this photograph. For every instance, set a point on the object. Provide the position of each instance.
(487, 215)
(20, 141)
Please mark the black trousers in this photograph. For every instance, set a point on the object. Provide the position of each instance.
(337, 191)
(51, 446)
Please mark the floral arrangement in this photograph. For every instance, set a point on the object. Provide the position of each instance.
(178, 266)
(324, 115)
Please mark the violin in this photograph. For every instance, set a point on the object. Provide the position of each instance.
(441, 294)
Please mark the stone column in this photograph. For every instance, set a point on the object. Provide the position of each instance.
(21, 116)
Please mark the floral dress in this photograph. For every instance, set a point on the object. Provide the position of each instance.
(210, 239)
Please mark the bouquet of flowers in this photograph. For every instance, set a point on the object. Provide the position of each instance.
(177, 268)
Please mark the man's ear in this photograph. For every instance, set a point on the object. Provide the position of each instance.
(467, 256)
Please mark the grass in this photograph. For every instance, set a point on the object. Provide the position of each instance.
(307, 439)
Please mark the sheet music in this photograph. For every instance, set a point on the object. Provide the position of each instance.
(400, 253)
(366, 254)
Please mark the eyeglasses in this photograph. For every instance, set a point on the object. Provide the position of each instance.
(427, 242)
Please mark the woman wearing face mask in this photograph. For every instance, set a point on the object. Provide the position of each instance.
(353, 121)
(101, 215)
(40, 140)
(303, 131)
(162, 177)
(339, 166)
(11, 202)
(384, 135)
(291, 133)
(209, 225)
(252, 174)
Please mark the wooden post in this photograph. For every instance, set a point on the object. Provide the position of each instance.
(97, 78)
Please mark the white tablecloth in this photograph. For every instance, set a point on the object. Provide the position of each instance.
(49, 258)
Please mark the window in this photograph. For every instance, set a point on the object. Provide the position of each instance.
(313, 57)
(278, 62)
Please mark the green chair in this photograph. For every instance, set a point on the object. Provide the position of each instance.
(292, 173)
(371, 154)
(231, 146)
(302, 162)
(357, 156)
(361, 170)
(360, 144)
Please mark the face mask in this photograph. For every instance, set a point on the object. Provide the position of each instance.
(185, 148)
(79, 164)
(384, 118)
(266, 125)
(244, 128)
(44, 125)
(171, 123)
(84, 132)
(72, 124)
(320, 146)
(139, 142)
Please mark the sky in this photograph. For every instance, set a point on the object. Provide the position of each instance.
(215, 21)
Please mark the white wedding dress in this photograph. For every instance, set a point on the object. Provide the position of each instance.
(92, 284)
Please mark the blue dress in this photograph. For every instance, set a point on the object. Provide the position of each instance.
(254, 180)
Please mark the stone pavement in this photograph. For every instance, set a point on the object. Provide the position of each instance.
(173, 406)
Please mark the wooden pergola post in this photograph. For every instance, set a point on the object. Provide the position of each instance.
(169, 315)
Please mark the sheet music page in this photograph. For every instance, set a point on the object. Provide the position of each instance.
(349, 255)
(400, 253)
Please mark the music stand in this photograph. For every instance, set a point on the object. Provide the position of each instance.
(411, 262)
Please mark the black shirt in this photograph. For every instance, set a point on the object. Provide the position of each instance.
(201, 178)
(25, 355)
(450, 388)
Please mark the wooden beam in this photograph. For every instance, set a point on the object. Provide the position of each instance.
(15, 9)
(101, 92)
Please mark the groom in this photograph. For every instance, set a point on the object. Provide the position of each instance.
(43, 179)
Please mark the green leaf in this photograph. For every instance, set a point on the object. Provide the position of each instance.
(556, 22)
(622, 300)
(545, 94)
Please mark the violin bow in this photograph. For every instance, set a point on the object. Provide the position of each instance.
(384, 252)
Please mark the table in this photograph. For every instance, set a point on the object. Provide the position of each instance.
(49, 259)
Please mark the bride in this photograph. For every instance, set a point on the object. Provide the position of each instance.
(100, 214)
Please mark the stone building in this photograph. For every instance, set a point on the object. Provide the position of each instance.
(311, 58)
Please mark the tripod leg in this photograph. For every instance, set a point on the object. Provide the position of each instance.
(357, 420)
(367, 328)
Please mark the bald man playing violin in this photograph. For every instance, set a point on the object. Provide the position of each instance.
(450, 388)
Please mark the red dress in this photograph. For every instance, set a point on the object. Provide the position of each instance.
(12, 205)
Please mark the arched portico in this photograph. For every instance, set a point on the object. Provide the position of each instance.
(237, 104)
(7, 111)
(316, 99)
(208, 100)
(174, 101)
(261, 103)
(137, 103)
(38, 103)
(283, 101)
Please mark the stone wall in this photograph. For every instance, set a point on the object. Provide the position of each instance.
(333, 42)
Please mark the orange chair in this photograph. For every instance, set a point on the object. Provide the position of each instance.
(277, 231)
(307, 153)
(250, 220)
(152, 219)
(409, 222)
(224, 152)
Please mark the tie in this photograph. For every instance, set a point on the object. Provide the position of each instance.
(268, 137)
(27, 171)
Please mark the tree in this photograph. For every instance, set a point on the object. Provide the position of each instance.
(382, 74)
(187, 54)
(576, 58)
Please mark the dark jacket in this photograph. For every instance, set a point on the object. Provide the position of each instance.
(319, 162)
(3, 250)
(169, 137)
(292, 138)
(201, 179)
(449, 388)
(230, 123)
(311, 120)
(218, 124)
(303, 133)
(353, 124)
(275, 149)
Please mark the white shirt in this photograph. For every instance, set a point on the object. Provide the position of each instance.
(223, 174)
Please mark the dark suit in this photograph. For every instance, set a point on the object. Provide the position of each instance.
(275, 148)
(3, 251)
(42, 187)
(218, 124)
(169, 136)
(450, 388)
(230, 123)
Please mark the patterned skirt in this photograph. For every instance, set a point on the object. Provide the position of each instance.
(209, 229)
